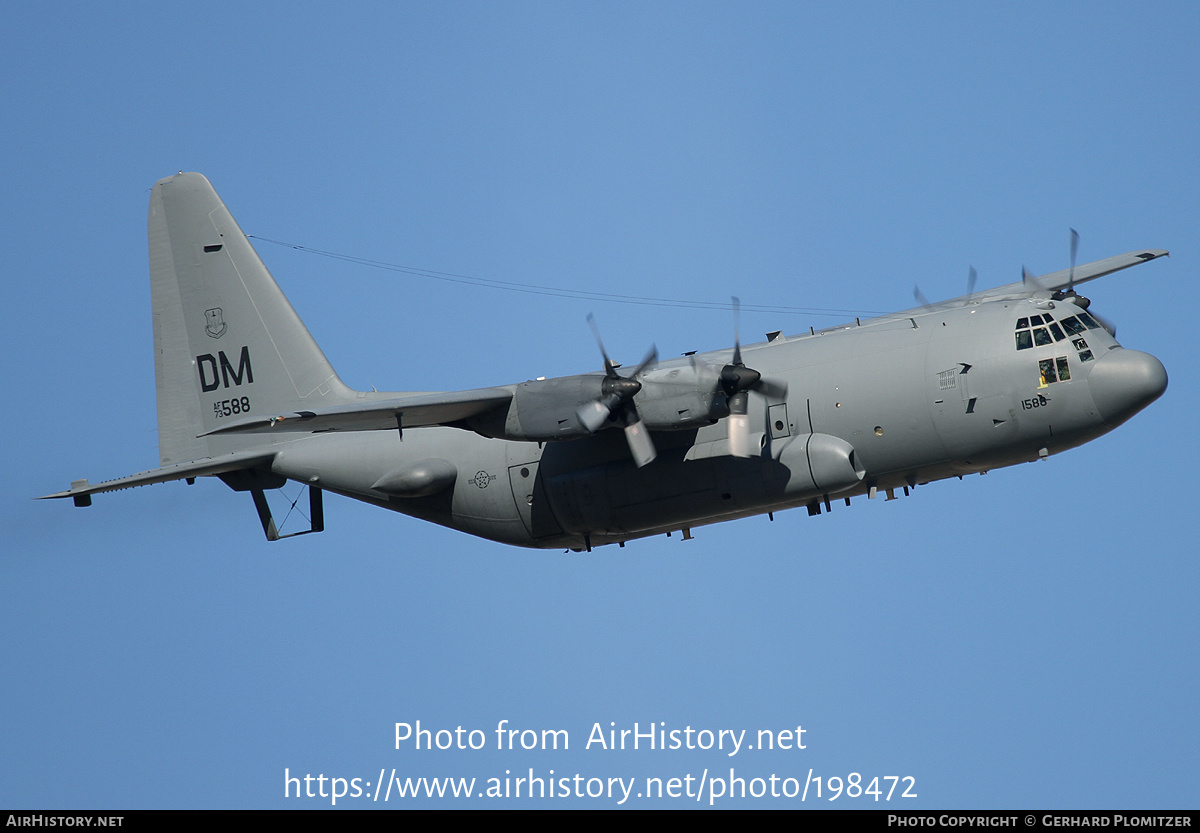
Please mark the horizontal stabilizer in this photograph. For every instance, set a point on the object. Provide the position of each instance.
(199, 468)
(413, 411)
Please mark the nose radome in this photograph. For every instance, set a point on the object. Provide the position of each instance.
(1123, 382)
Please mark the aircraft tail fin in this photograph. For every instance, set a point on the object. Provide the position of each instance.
(226, 341)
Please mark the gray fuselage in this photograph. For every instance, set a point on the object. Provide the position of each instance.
(887, 404)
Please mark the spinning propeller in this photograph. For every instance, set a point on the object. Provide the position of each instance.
(616, 400)
(737, 381)
(1074, 249)
(972, 276)
(1078, 300)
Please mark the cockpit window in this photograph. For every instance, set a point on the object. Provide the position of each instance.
(1073, 326)
(1089, 321)
(1041, 330)
(1081, 345)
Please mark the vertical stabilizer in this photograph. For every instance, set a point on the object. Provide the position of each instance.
(226, 341)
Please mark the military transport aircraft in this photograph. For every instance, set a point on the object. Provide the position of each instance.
(991, 379)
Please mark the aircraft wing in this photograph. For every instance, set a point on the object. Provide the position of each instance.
(81, 489)
(1061, 279)
(408, 411)
(1048, 283)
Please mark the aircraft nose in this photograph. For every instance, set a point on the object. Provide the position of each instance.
(1123, 382)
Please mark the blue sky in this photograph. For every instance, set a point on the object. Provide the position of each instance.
(1022, 639)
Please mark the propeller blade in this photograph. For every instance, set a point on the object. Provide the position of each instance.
(772, 388)
(737, 330)
(739, 435)
(1105, 323)
(739, 403)
(739, 424)
(1074, 249)
(737, 380)
(651, 358)
(617, 393)
(610, 368)
(616, 390)
(1032, 283)
(920, 296)
(972, 276)
(640, 444)
(592, 415)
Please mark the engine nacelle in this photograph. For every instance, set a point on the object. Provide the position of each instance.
(681, 397)
(543, 410)
(670, 399)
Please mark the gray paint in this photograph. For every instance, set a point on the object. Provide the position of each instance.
(245, 393)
